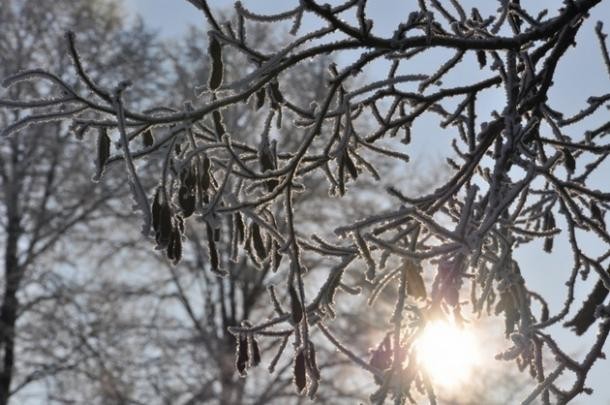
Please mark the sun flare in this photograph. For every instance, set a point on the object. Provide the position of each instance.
(448, 352)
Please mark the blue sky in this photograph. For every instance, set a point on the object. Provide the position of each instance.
(580, 75)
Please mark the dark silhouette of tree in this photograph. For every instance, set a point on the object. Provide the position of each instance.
(523, 175)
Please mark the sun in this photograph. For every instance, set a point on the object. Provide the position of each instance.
(449, 353)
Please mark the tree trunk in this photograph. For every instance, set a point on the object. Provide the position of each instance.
(12, 275)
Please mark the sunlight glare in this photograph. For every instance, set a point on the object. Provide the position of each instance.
(448, 353)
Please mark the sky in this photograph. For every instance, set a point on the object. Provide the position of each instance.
(580, 75)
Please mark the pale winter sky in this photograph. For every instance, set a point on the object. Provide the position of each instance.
(580, 75)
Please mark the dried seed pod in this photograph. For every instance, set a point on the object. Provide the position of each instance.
(295, 305)
(482, 59)
(241, 359)
(260, 99)
(276, 94)
(507, 305)
(174, 247)
(213, 251)
(585, 317)
(165, 225)
(351, 167)
(240, 227)
(156, 209)
(219, 125)
(548, 223)
(215, 53)
(204, 174)
(300, 376)
(257, 241)
(148, 139)
(266, 160)
(277, 255)
(366, 255)
(255, 358)
(188, 177)
(312, 364)
(103, 152)
(416, 287)
(80, 130)
(187, 201)
(179, 224)
(597, 214)
(569, 161)
(250, 250)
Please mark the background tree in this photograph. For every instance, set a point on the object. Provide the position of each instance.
(514, 176)
(47, 207)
